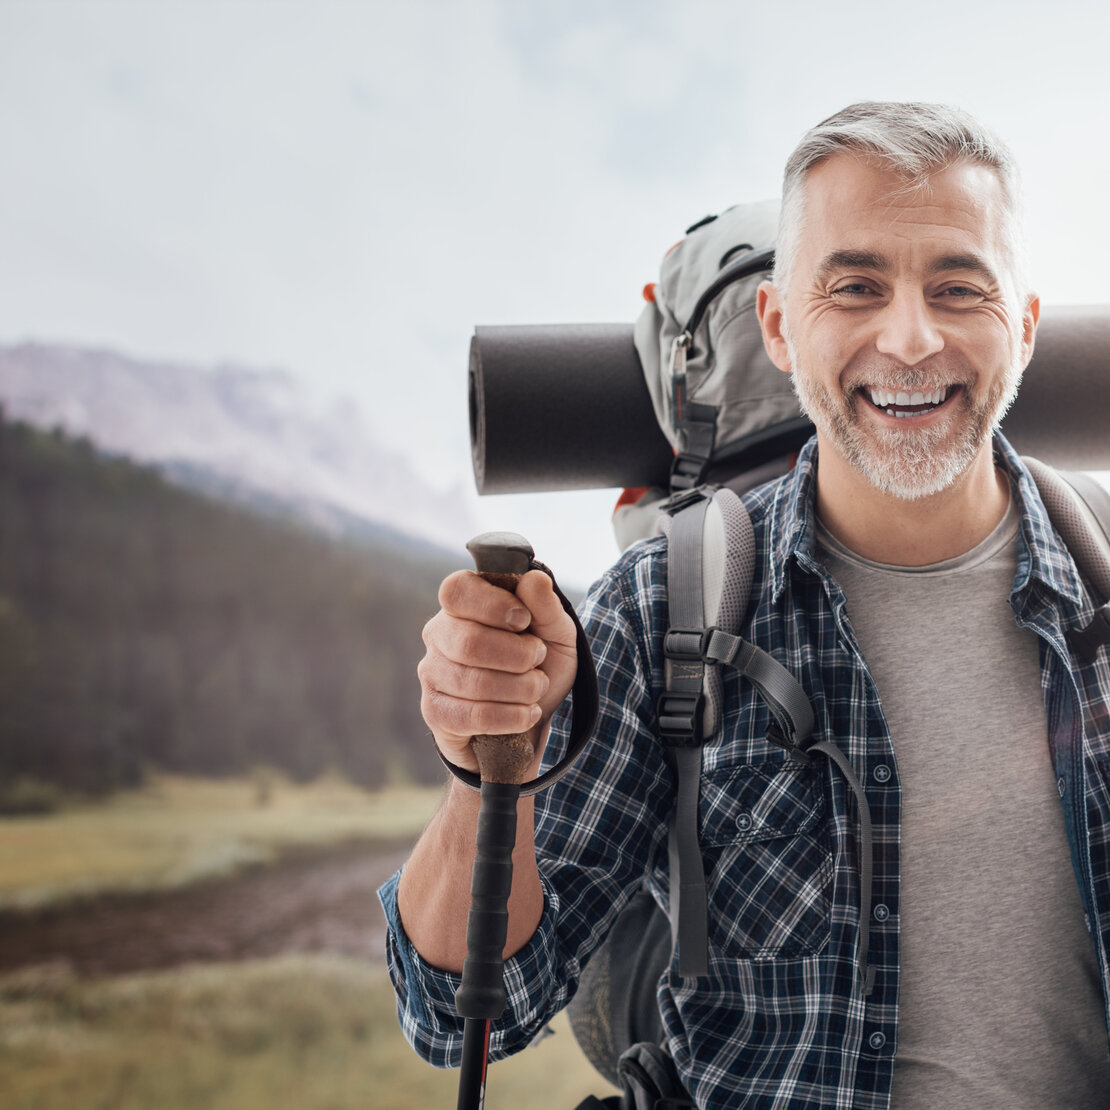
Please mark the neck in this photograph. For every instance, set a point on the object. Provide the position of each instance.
(888, 529)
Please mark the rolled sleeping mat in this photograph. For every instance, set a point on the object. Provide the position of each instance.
(565, 406)
(1062, 411)
(559, 407)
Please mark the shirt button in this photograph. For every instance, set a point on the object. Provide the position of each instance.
(744, 822)
(877, 1040)
(881, 912)
(1061, 786)
(881, 773)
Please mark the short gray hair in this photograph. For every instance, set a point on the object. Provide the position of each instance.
(913, 140)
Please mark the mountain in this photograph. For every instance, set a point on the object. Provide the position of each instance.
(248, 435)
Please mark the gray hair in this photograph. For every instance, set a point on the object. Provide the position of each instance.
(912, 140)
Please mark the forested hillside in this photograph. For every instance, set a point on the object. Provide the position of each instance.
(143, 626)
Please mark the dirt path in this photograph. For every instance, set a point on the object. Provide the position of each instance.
(323, 903)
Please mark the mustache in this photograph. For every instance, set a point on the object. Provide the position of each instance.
(925, 377)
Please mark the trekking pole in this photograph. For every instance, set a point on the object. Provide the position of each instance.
(503, 761)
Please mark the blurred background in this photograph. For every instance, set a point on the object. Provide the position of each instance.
(243, 247)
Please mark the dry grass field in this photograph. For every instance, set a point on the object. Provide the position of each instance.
(176, 831)
(285, 1034)
(303, 1032)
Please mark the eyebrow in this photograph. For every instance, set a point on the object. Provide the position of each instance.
(871, 260)
(970, 262)
(852, 260)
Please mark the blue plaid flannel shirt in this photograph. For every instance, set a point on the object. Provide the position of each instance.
(781, 1020)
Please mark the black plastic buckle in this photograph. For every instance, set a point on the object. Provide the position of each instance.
(676, 502)
(687, 471)
(680, 718)
(687, 645)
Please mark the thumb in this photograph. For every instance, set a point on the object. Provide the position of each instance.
(552, 624)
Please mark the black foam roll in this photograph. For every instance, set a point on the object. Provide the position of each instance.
(565, 406)
(561, 406)
(1062, 411)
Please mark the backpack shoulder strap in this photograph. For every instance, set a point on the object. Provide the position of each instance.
(710, 567)
(1079, 508)
(682, 721)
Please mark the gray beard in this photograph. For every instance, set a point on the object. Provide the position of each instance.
(906, 463)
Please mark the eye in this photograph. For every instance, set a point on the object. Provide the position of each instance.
(961, 293)
(852, 289)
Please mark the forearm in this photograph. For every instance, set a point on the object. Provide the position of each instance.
(433, 897)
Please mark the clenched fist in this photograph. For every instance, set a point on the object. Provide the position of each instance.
(496, 663)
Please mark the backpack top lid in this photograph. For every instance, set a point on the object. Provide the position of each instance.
(715, 392)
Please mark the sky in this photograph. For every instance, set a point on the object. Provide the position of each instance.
(344, 189)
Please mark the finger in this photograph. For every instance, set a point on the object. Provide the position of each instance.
(549, 620)
(468, 596)
(455, 721)
(444, 676)
(472, 644)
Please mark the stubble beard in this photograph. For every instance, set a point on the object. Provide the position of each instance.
(909, 463)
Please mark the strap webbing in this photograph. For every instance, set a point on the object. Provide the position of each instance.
(781, 691)
(689, 905)
(689, 912)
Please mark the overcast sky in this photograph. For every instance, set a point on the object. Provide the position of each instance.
(345, 188)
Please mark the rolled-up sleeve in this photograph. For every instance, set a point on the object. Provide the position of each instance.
(426, 994)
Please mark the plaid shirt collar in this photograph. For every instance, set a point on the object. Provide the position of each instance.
(1042, 557)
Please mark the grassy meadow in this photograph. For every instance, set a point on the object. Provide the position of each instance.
(297, 1032)
(176, 831)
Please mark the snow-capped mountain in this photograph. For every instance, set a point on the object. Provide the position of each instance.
(246, 432)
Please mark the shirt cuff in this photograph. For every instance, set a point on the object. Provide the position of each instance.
(426, 994)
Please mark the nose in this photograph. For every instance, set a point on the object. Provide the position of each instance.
(907, 330)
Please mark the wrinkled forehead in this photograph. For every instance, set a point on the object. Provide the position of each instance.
(856, 204)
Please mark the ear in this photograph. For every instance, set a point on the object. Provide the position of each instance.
(768, 307)
(1029, 321)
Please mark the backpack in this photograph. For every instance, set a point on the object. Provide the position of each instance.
(726, 417)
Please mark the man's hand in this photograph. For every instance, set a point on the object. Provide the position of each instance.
(482, 674)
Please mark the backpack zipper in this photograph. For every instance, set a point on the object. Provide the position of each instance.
(752, 264)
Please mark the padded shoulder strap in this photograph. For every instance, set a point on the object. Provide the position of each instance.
(681, 728)
(710, 565)
(1080, 511)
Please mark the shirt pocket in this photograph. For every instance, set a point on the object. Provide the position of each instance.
(768, 861)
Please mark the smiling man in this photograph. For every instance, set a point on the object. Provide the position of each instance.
(908, 577)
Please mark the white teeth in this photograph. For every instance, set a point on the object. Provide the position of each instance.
(885, 398)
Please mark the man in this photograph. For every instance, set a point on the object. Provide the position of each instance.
(909, 579)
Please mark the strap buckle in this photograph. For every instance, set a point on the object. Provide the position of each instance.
(680, 717)
(687, 471)
(687, 645)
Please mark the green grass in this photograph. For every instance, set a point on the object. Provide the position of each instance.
(176, 831)
(305, 1033)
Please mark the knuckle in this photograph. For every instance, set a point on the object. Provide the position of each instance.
(427, 633)
(452, 590)
(473, 643)
(474, 682)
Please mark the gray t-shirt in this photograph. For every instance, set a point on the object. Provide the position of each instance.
(1000, 1004)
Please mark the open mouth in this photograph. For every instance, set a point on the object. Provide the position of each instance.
(903, 403)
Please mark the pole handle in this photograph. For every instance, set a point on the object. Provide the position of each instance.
(501, 558)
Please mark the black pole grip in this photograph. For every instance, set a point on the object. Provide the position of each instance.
(482, 993)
